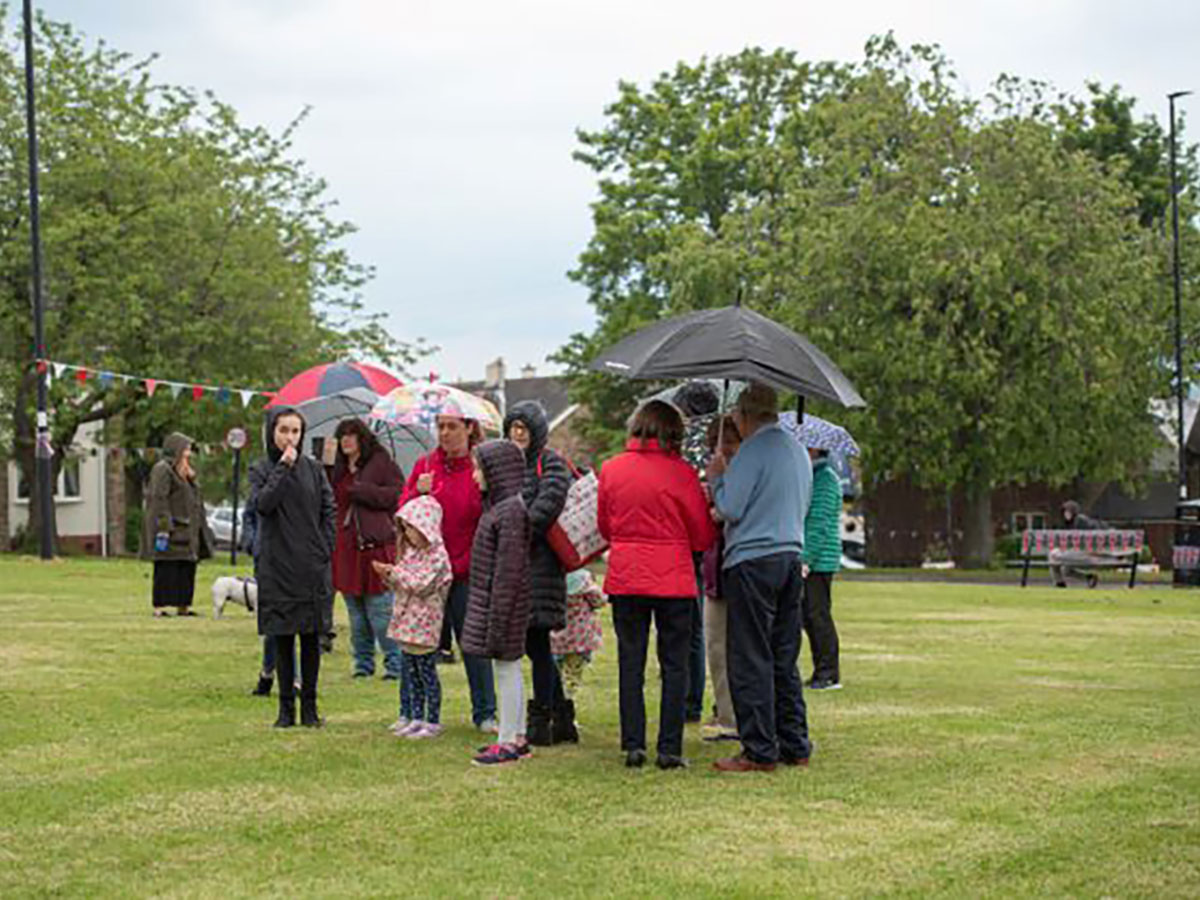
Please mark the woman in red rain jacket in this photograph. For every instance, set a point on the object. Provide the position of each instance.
(655, 515)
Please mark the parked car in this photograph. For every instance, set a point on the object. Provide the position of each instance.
(220, 520)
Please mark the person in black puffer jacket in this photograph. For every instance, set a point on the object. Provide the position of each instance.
(551, 717)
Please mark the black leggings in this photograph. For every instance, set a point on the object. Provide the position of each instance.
(285, 664)
(547, 685)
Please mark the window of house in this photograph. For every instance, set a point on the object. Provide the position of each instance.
(1028, 520)
(68, 486)
(68, 479)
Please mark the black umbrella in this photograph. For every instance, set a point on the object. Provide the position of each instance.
(733, 343)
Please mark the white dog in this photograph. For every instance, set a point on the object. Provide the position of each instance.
(234, 589)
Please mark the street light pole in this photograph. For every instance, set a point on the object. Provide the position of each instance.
(1183, 488)
(43, 451)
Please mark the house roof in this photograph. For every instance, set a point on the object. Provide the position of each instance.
(1158, 502)
(548, 390)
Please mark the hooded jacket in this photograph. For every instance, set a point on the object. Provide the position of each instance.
(174, 505)
(499, 601)
(547, 480)
(295, 538)
(823, 524)
(421, 579)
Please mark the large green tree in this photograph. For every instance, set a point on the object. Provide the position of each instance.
(980, 269)
(178, 242)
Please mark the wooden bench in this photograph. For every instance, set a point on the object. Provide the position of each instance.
(1123, 547)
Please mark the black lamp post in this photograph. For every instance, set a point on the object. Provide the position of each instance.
(1183, 489)
(42, 451)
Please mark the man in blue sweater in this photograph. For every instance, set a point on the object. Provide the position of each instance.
(763, 499)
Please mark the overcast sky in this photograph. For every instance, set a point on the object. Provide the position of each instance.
(445, 130)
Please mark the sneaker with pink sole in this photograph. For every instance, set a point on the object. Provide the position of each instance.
(498, 755)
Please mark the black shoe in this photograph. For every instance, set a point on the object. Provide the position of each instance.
(308, 713)
(692, 718)
(562, 729)
(445, 657)
(287, 713)
(667, 761)
(635, 759)
(263, 688)
(537, 725)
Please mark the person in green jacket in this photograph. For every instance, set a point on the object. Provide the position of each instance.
(822, 559)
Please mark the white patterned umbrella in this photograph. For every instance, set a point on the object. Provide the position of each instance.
(421, 404)
(820, 434)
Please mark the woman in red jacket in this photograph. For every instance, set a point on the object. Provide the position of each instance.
(654, 514)
(447, 474)
(366, 487)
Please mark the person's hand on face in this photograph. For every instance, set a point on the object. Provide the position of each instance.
(287, 436)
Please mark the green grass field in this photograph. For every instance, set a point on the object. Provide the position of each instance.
(990, 742)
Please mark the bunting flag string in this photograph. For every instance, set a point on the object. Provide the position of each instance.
(222, 393)
(151, 454)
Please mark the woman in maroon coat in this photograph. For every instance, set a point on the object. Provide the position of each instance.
(654, 514)
(366, 489)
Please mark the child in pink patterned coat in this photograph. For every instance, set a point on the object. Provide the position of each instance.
(574, 645)
(421, 581)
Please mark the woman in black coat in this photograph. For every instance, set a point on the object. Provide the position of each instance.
(547, 479)
(294, 504)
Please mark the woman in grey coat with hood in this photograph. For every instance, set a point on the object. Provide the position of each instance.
(175, 530)
(294, 503)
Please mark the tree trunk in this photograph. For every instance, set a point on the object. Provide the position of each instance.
(978, 534)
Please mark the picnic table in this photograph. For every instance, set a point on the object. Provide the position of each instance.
(1096, 548)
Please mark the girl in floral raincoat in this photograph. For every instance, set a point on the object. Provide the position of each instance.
(574, 645)
(421, 581)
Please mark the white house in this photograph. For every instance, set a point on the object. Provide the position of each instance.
(80, 497)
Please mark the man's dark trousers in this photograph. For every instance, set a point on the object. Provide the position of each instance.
(763, 646)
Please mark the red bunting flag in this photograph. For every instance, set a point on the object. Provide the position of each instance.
(151, 384)
(197, 392)
(81, 376)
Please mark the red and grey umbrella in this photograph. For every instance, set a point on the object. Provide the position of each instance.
(333, 378)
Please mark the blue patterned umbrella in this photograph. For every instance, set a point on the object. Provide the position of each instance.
(819, 434)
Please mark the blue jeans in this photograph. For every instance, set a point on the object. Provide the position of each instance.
(479, 670)
(370, 615)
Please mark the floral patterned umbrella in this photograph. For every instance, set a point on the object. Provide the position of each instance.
(421, 404)
(820, 434)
